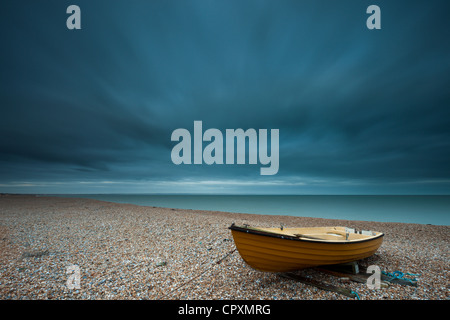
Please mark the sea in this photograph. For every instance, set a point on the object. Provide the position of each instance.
(426, 209)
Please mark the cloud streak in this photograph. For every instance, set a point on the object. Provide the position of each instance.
(100, 104)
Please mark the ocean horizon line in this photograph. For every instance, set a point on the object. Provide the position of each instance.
(421, 209)
(232, 194)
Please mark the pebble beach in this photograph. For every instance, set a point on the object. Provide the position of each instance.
(124, 251)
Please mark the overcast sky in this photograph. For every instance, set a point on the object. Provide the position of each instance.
(359, 111)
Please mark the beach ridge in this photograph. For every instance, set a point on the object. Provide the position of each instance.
(125, 251)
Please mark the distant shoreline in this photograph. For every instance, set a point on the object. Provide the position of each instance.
(213, 206)
(404, 209)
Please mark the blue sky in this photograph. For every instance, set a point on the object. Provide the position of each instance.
(92, 111)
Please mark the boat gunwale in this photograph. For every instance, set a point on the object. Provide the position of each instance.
(255, 231)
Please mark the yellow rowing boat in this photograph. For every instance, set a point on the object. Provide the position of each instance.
(287, 249)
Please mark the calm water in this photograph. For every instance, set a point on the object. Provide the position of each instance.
(410, 209)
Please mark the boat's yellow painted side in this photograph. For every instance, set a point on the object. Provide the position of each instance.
(274, 254)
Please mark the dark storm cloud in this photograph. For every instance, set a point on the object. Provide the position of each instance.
(354, 107)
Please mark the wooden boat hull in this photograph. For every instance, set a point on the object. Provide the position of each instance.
(270, 251)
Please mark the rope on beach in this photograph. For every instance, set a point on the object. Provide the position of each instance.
(400, 275)
(357, 295)
(203, 272)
